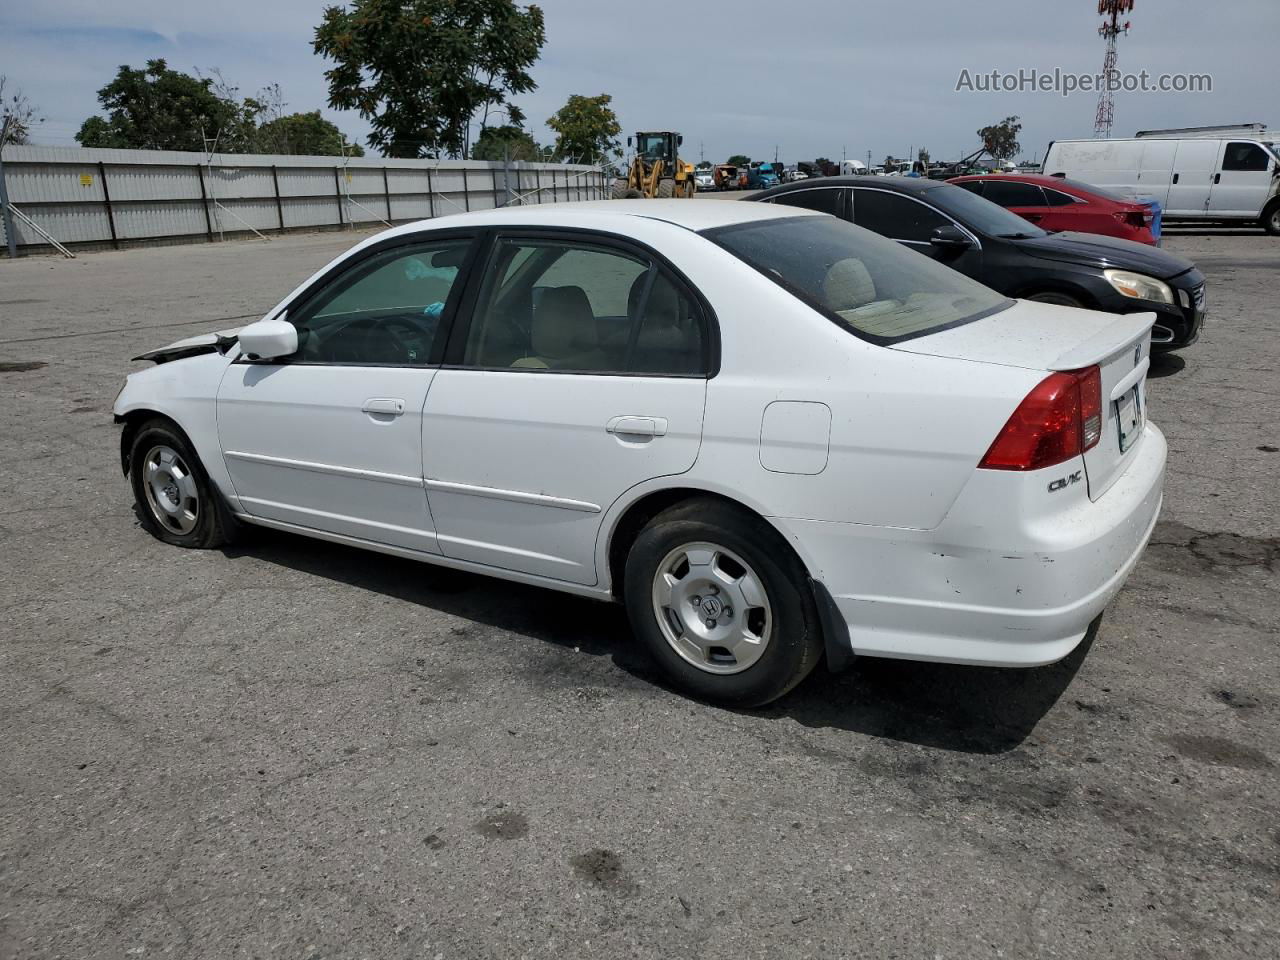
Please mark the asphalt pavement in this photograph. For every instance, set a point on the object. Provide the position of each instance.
(296, 749)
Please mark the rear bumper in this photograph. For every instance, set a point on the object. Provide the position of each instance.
(1002, 581)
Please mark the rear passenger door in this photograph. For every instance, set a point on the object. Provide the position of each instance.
(580, 373)
(1025, 199)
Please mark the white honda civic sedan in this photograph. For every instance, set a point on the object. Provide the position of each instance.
(771, 434)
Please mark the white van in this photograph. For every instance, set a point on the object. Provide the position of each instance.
(1193, 177)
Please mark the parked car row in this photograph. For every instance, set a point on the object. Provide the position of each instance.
(774, 436)
(955, 226)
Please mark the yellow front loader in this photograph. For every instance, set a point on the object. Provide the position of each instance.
(657, 170)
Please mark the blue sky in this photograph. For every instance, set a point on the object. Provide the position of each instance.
(809, 79)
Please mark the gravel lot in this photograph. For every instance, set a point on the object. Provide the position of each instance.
(295, 749)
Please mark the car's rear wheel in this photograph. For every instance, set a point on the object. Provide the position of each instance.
(1053, 296)
(1271, 219)
(176, 502)
(722, 604)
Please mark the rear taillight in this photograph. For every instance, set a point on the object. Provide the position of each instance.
(1058, 420)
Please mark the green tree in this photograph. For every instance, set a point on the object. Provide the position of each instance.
(738, 160)
(304, 133)
(161, 109)
(923, 155)
(509, 141)
(420, 70)
(1001, 139)
(704, 165)
(586, 129)
(890, 164)
(17, 115)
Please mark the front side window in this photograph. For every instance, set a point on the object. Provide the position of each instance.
(1245, 157)
(824, 200)
(386, 309)
(869, 285)
(576, 307)
(895, 216)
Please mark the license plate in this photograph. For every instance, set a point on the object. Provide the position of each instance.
(1130, 416)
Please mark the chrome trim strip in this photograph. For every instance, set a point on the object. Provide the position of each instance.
(329, 468)
(513, 496)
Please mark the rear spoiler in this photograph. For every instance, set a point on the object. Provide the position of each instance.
(1127, 328)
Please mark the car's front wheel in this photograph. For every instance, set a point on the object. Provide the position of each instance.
(176, 502)
(722, 604)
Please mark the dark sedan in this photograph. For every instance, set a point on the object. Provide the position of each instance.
(1008, 254)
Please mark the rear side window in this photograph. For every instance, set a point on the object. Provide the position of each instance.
(895, 216)
(1056, 198)
(552, 305)
(824, 200)
(973, 186)
(1008, 193)
(871, 286)
(1245, 157)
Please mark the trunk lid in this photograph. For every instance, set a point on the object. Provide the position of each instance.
(1046, 337)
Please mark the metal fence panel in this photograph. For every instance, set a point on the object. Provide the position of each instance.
(97, 196)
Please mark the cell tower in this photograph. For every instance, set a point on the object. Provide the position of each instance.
(1110, 29)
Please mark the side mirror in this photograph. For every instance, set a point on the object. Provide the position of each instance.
(950, 237)
(628, 141)
(268, 340)
(679, 141)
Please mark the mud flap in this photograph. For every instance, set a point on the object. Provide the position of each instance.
(835, 632)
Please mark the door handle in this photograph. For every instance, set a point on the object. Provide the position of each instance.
(1217, 178)
(1033, 217)
(383, 407)
(1175, 178)
(637, 427)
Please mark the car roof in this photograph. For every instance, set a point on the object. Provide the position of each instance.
(1039, 179)
(913, 185)
(690, 214)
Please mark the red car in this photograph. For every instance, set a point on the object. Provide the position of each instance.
(1055, 203)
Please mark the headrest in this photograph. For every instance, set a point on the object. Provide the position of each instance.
(563, 323)
(848, 285)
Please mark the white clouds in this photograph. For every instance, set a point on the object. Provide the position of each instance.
(741, 78)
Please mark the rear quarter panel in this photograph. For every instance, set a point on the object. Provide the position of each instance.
(906, 430)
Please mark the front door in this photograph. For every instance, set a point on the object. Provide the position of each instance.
(330, 438)
(1243, 182)
(912, 223)
(582, 373)
(1193, 169)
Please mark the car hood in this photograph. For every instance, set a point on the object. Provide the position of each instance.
(191, 346)
(1099, 251)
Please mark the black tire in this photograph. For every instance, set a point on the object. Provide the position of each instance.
(1053, 296)
(619, 189)
(1271, 218)
(633, 194)
(666, 188)
(793, 640)
(211, 522)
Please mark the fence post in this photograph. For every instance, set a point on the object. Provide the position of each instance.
(431, 195)
(106, 199)
(204, 199)
(7, 217)
(466, 192)
(537, 183)
(337, 195)
(386, 192)
(275, 183)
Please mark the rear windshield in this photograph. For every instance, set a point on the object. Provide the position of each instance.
(872, 286)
